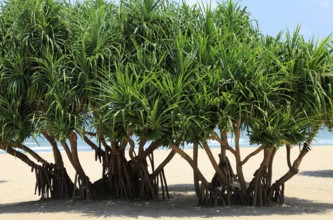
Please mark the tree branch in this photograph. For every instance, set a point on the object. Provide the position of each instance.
(258, 150)
(131, 151)
(20, 155)
(288, 148)
(184, 155)
(29, 151)
(164, 163)
(90, 143)
(294, 168)
(218, 170)
(56, 152)
(222, 143)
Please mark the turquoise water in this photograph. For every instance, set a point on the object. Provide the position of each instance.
(324, 138)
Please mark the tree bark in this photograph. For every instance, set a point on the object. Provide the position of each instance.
(163, 164)
(218, 170)
(258, 150)
(131, 151)
(223, 141)
(153, 146)
(56, 152)
(291, 172)
(62, 184)
(258, 186)
(68, 153)
(20, 155)
(288, 149)
(239, 167)
(195, 177)
(142, 143)
(270, 167)
(29, 151)
(191, 163)
(72, 137)
(84, 184)
(90, 143)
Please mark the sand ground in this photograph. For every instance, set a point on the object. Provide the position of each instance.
(309, 195)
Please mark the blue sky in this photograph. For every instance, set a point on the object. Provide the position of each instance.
(315, 16)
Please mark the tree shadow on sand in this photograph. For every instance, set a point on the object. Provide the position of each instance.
(318, 173)
(181, 204)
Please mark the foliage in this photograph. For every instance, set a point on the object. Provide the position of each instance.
(157, 71)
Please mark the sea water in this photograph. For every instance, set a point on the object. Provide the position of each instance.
(323, 138)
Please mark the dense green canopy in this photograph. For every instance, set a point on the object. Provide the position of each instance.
(156, 74)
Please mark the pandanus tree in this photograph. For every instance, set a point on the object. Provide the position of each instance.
(137, 101)
(144, 74)
(306, 102)
(259, 90)
(29, 29)
(271, 113)
(229, 80)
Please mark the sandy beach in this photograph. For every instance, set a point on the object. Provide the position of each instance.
(309, 195)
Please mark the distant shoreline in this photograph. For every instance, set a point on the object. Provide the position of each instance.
(189, 147)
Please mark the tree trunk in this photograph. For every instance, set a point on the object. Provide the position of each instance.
(207, 192)
(85, 190)
(258, 188)
(219, 172)
(195, 168)
(120, 175)
(276, 191)
(239, 166)
(72, 137)
(128, 179)
(62, 184)
(195, 160)
(270, 167)
(56, 153)
(226, 168)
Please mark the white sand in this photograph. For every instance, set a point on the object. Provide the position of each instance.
(309, 195)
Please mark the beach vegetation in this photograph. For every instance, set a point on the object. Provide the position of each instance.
(144, 75)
